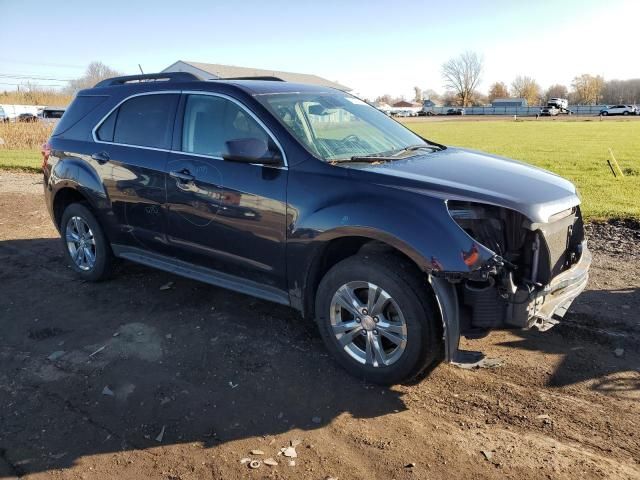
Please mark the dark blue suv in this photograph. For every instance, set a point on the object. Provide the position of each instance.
(309, 197)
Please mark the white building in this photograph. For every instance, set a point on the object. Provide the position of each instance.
(213, 71)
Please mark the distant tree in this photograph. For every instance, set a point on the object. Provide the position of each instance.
(556, 91)
(95, 72)
(479, 99)
(588, 89)
(451, 99)
(418, 97)
(498, 90)
(462, 75)
(621, 91)
(431, 94)
(527, 88)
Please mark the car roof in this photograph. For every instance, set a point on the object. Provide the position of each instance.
(251, 87)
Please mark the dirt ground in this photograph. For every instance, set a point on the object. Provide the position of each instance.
(129, 380)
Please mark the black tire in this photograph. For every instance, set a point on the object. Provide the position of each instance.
(408, 288)
(604, 114)
(625, 113)
(104, 259)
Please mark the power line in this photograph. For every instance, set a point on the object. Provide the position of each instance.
(23, 85)
(22, 76)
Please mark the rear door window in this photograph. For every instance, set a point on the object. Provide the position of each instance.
(145, 121)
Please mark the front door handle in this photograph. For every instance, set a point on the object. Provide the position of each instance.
(183, 175)
(101, 157)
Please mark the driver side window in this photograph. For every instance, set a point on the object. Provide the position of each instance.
(211, 121)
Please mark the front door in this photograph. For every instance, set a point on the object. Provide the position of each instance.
(225, 215)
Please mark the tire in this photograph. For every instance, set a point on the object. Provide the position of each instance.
(625, 113)
(417, 321)
(78, 222)
(604, 114)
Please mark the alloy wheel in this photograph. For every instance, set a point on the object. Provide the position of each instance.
(81, 243)
(368, 323)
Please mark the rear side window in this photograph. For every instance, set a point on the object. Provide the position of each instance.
(145, 121)
(79, 108)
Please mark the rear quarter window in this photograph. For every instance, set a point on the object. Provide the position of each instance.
(79, 108)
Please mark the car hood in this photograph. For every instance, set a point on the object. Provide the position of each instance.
(461, 174)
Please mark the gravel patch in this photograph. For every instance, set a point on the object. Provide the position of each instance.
(18, 182)
(618, 238)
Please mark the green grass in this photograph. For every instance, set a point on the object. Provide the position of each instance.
(25, 160)
(576, 150)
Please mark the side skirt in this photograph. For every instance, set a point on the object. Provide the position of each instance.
(202, 274)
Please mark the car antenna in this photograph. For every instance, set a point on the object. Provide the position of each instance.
(140, 67)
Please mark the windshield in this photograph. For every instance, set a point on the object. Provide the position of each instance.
(337, 126)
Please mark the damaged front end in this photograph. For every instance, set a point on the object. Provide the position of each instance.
(537, 271)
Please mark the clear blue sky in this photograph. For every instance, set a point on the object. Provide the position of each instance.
(375, 47)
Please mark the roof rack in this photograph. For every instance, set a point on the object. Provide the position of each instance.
(150, 77)
(268, 78)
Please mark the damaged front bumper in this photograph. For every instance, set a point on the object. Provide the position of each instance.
(542, 309)
(552, 302)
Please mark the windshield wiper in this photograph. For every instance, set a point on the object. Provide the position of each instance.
(420, 146)
(373, 158)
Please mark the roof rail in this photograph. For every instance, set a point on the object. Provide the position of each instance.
(149, 77)
(269, 78)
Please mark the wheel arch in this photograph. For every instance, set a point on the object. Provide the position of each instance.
(338, 247)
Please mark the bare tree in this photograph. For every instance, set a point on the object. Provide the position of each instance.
(621, 91)
(95, 72)
(527, 88)
(498, 90)
(418, 95)
(556, 91)
(588, 89)
(431, 94)
(462, 74)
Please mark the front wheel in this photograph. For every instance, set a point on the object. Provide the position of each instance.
(377, 318)
(85, 244)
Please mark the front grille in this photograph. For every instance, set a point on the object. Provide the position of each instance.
(560, 245)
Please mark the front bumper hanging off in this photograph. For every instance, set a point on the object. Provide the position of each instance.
(553, 301)
(546, 307)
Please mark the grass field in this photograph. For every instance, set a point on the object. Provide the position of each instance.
(575, 150)
(25, 160)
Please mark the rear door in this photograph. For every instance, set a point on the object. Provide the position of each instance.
(132, 145)
(225, 215)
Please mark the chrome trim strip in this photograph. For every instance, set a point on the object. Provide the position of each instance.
(180, 152)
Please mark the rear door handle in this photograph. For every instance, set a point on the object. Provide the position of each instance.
(183, 175)
(101, 157)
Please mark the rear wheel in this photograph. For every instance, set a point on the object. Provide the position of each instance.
(377, 318)
(85, 244)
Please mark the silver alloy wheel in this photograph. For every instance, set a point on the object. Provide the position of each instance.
(81, 243)
(368, 324)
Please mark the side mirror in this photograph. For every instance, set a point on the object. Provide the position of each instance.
(252, 150)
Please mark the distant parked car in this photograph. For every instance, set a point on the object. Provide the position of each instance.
(455, 111)
(560, 103)
(406, 113)
(619, 110)
(549, 111)
(428, 113)
(51, 114)
(27, 117)
(3, 116)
